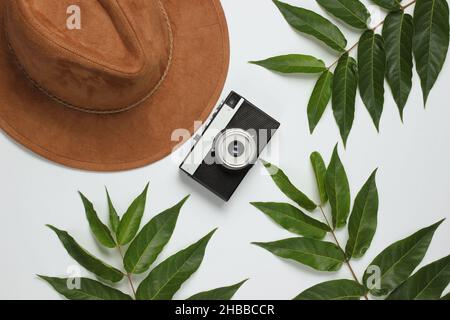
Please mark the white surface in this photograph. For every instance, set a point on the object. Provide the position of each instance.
(413, 180)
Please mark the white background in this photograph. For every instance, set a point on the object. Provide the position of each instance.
(413, 179)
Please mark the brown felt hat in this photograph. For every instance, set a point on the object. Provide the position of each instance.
(108, 96)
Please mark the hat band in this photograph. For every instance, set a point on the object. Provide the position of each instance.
(93, 110)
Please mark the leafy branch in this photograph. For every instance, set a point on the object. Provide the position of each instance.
(375, 28)
(389, 275)
(347, 261)
(142, 249)
(389, 55)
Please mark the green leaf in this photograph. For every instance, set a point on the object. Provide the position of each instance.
(129, 225)
(345, 84)
(372, 64)
(293, 220)
(293, 63)
(320, 171)
(225, 293)
(114, 218)
(89, 289)
(319, 255)
(285, 185)
(311, 23)
(363, 220)
(446, 297)
(338, 190)
(352, 12)
(334, 290)
(166, 279)
(426, 284)
(391, 5)
(398, 261)
(398, 33)
(100, 231)
(153, 237)
(431, 39)
(85, 259)
(319, 100)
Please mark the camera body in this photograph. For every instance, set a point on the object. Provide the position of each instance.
(229, 145)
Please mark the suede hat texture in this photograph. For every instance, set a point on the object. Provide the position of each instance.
(108, 96)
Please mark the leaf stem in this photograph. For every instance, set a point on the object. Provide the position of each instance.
(130, 281)
(346, 52)
(408, 5)
(372, 29)
(347, 261)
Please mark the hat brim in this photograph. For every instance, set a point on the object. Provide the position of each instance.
(139, 136)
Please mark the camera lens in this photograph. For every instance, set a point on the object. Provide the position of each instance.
(235, 149)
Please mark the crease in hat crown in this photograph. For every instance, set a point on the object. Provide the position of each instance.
(77, 68)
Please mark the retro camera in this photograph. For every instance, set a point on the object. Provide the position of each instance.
(229, 145)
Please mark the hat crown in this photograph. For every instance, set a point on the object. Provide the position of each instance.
(115, 58)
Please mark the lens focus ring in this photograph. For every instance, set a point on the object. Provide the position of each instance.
(235, 149)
